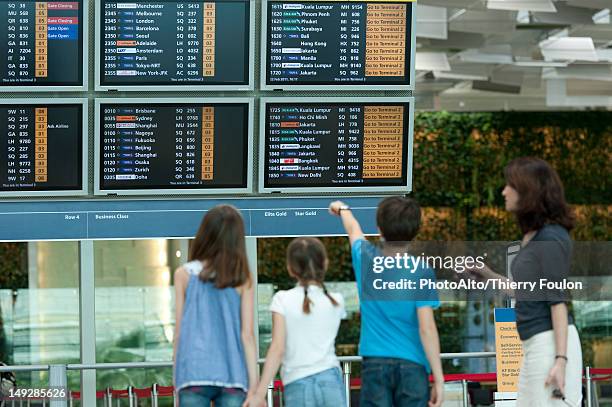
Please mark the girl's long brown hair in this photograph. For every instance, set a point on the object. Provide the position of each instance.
(307, 261)
(220, 245)
(541, 195)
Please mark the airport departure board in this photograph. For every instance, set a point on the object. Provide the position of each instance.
(41, 148)
(338, 43)
(174, 43)
(336, 145)
(151, 147)
(41, 43)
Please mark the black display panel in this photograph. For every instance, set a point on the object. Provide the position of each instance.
(336, 145)
(174, 42)
(41, 148)
(338, 43)
(182, 146)
(41, 43)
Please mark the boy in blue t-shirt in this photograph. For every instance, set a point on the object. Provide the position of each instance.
(399, 340)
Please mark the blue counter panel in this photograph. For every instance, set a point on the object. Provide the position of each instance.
(22, 226)
(170, 218)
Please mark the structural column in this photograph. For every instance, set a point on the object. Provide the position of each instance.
(87, 326)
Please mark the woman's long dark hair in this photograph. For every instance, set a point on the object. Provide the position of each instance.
(307, 260)
(220, 244)
(541, 197)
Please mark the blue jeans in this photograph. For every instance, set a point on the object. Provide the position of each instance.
(324, 389)
(201, 396)
(388, 382)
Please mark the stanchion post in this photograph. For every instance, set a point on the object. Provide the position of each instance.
(154, 395)
(271, 394)
(109, 397)
(346, 367)
(131, 396)
(589, 391)
(58, 379)
(466, 398)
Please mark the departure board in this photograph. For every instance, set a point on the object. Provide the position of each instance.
(41, 148)
(41, 44)
(346, 43)
(338, 145)
(187, 146)
(174, 43)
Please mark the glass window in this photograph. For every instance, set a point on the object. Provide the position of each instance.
(39, 307)
(594, 323)
(135, 307)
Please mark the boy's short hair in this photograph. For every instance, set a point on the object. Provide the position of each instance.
(398, 218)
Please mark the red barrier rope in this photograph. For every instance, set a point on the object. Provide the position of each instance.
(165, 391)
(76, 395)
(470, 377)
(120, 394)
(474, 377)
(601, 371)
(142, 393)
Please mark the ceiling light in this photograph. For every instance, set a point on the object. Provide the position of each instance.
(432, 22)
(431, 61)
(568, 49)
(545, 6)
(485, 22)
(540, 64)
(594, 4)
(474, 55)
(459, 76)
(602, 17)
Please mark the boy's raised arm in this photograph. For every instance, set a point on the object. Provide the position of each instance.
(351, 225)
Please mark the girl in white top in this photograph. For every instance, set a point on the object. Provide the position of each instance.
(305, 322)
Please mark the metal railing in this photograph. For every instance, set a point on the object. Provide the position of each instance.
(346, 362)
(57, 375)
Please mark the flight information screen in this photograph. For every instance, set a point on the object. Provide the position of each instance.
(174, 42)
(173, 146)
(41, 43)
(41, 147)
(336, 145)
(338, 42)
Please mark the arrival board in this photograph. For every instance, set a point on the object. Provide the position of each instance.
(173, 146)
